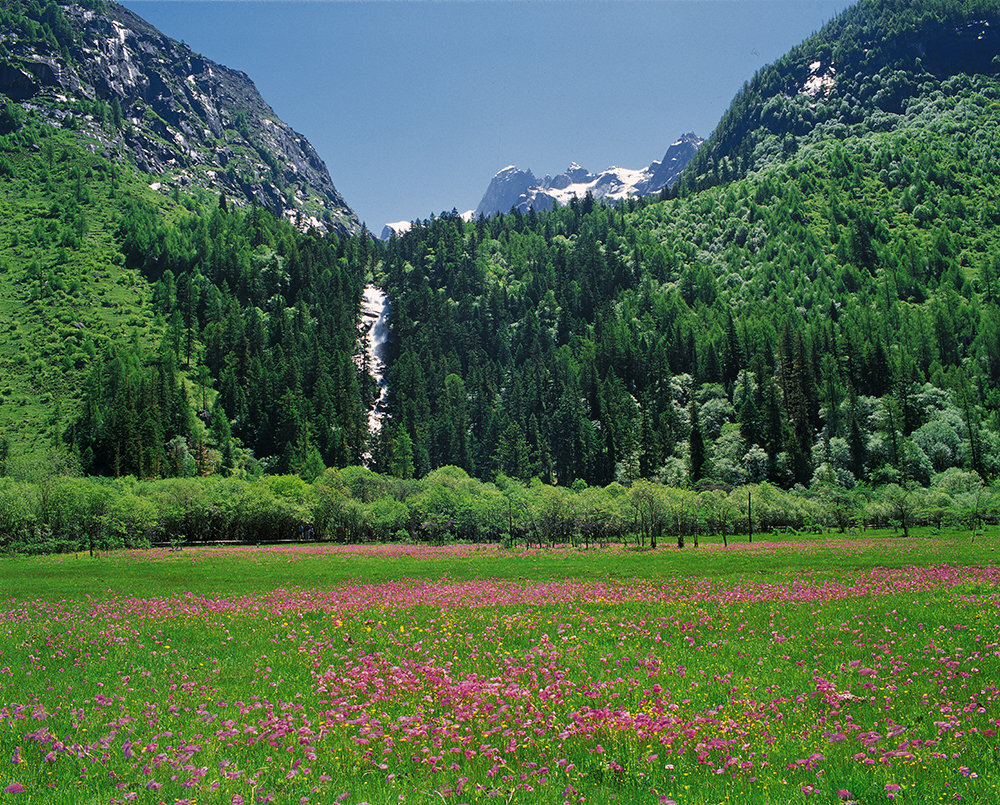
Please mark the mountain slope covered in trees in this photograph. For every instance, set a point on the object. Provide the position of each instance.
(858, 74)
(814, 305)
(162, 311)
(147, 333)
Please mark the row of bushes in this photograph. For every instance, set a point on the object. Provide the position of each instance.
(57, 514)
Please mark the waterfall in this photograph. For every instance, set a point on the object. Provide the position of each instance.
(375, 335)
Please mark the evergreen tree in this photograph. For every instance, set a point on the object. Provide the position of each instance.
(696, 444)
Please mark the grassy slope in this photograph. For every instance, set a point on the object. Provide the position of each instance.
(62, 298)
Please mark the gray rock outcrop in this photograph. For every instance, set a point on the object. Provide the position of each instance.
(665, 172)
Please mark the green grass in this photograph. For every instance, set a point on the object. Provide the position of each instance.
(252, 571)
(800, 668)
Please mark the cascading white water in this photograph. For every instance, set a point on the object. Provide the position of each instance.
(375, 327)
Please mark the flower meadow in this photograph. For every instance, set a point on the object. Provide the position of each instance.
(873, 684)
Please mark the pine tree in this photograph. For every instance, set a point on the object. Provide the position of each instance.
(696, 443)
(512, 457)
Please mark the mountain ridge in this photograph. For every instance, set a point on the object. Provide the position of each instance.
(178, 116)
(814, 304)
(513, 188)
(860, 68)
(132, 264)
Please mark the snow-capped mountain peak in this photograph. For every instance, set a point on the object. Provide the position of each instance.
(513, 188)
(397, 228)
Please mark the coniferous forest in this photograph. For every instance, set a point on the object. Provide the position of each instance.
(271, 315)
(832, 316)
(814, 306)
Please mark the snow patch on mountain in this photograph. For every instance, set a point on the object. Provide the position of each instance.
(397, 228)
(400, 228)
(513, 188)
(819, 80)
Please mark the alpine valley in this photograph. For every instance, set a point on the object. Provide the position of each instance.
(812, 303)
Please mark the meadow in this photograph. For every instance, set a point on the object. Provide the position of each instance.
(826, 669)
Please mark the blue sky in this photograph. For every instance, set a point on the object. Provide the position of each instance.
(415, 105)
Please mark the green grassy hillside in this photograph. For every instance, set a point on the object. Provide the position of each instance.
(64, 289)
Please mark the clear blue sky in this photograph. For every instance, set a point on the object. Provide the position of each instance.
(415, 105)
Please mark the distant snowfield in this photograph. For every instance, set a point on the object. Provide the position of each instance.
(397, 228)
(613, 183)
(513, 188)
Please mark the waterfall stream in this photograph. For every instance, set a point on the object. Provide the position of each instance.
(375, 328)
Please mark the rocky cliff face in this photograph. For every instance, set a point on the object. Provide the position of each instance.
(178, 116)
(510, 189)
(665, 172)
(519, 189)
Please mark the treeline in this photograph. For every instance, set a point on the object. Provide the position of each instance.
(835, 316)
(356, 505)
